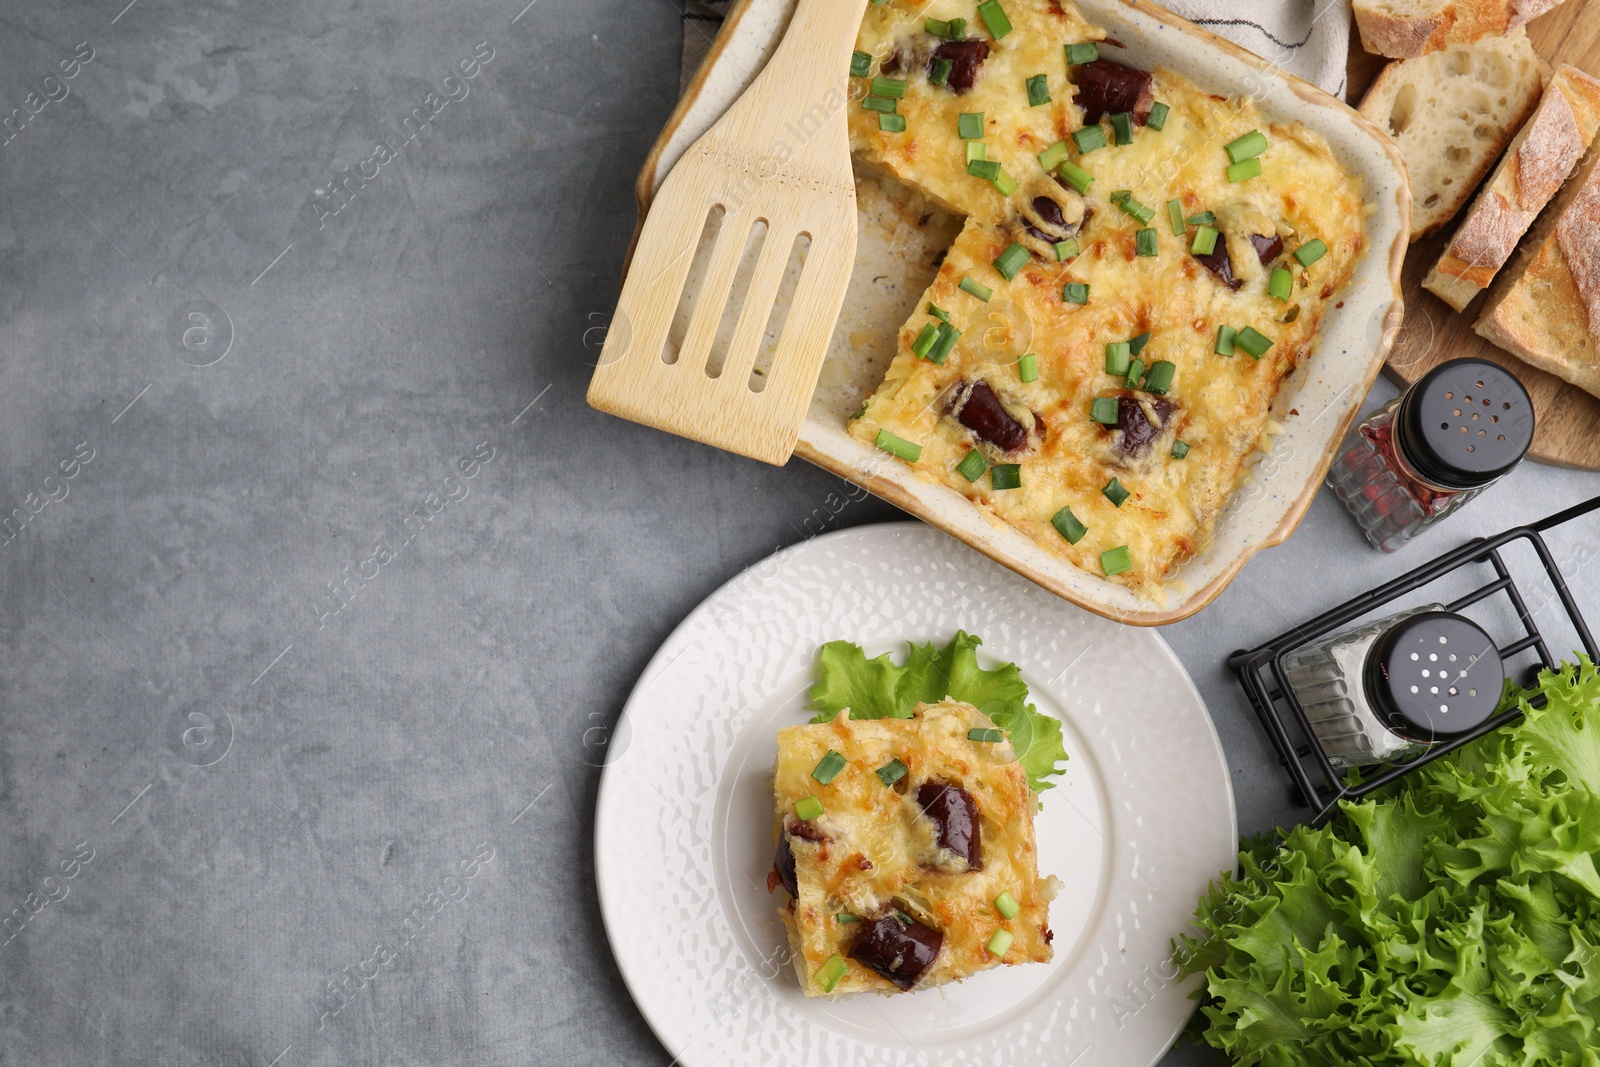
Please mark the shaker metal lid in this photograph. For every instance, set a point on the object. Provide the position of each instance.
(1466, 423)
(1434, 676)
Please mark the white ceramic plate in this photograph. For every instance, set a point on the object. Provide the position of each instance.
(1142, 821)
(1315, 407)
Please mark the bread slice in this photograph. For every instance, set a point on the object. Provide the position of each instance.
(1530, 174)
(1406, 29)
(1545, 309)
(1452, 113)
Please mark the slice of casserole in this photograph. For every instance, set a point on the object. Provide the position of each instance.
(907, 852)
(1144, 263)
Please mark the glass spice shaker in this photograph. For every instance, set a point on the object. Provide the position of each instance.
(1461, 427)
(1390, 690)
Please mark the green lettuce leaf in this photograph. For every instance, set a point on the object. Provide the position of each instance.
(1452, 920)
(879, 689)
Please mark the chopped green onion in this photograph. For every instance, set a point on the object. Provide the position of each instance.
(1249, 146)
(924, 341)
(828, 767)
(844, 918)
(994, 17)
(976, 150)
(1225, 336)
(1088, 139)
(1075, 293)
(969, 125)
(1116, 560)
(1158, 116)
(1104, 410)
(1250, 168)
(1146, 242)
(1132, 207)
(936, 27)
(940, 74)
(1006, 476)
(860, 64)
(1122, 127)
(986, 735)
(1175, 214)
(976, 288)
(1028, 368)
(807, 808)
(1135, 374)
(1081, 53)
(1159, 380)
(882, 104)
(1051, 157)
(938, 312)
(972, 466)
(1205, 218)
(1179, 450)
(894, 87)
(1310, 252)
(1076, 176)
(947, 341)
(1136, 344)
(1009, 262)
(1205, 241)
(1065, 250)
(1038, 90)
(1118, 355)
(1007, 906)
(1120, 196)
(1068, 526)
(1281, 284)
(1114, 492)
(892, 123)
(891, 772)
(895, 446)
(987, 169)
(1005, 183)
(999, 944)
(958, 29)
(829, 973)
(1252, 341)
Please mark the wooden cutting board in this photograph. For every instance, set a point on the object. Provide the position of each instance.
(1568, 418)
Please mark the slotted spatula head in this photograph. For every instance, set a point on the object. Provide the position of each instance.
(779, 160)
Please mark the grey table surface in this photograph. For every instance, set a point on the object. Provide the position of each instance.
(251, 779)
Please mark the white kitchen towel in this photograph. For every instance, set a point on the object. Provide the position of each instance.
(1308, 38)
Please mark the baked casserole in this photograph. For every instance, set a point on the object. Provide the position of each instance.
(907, 851)
(1143, 264)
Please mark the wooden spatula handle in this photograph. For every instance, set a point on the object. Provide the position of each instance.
(814, 55)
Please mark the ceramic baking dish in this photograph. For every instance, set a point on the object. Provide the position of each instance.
(899, 235)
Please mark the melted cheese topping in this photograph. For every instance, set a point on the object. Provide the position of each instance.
(1220, 405)
(879, 844)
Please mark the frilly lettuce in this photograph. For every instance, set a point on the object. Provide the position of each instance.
(878, 689)
(1453, 921)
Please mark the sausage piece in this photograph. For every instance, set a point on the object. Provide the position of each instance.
(965, 57)
(1107, 88)
(899, 951)
(981, 412)
(1138, 431)
(1219, 263)
(1267, 248)
(783, 865)
(956, 816)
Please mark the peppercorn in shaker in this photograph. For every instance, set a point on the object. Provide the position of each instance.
(1392, 689)
(1461, 427)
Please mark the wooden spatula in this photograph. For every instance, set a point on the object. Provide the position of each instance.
(779, 156)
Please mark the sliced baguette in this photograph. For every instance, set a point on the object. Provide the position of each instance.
(1545, 308)
(1406, 29)
(1452, 113)
(1530, 174)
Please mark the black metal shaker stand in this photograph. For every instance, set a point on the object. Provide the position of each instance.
(1266, 682)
